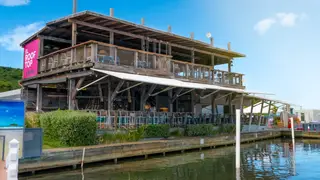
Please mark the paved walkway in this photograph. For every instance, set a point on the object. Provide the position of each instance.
(2, 171)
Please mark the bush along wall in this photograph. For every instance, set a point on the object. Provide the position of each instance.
(156, 130)
(200, 130)
(71, 128)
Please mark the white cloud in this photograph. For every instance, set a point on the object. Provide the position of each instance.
(290, 19)
(14, 2)
(11, 40)
(264, 25)
(285, 20)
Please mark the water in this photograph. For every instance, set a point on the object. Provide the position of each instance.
(263, 160)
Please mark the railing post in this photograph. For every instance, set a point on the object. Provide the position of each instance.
(12, 160)
(223, 78)
(154, 58)
(115, 56)
(85, 54)
(187, 70)
(173, 69)
(94, 49)
(135, 59)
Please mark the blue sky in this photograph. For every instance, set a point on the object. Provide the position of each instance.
(279, 37)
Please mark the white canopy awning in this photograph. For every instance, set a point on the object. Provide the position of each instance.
(151, 79)
(169, 82)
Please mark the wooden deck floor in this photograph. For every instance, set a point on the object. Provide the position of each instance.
(2, 171)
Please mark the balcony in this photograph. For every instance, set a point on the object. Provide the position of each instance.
(102, 55)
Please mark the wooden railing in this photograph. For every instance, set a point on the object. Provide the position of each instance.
(136, 59)
(79, 54)
(133, 119)
(105, 55)
(205, 73)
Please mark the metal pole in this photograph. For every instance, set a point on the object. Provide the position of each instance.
(293, 147)
(238, 127)
(292, 132)
(74, 8)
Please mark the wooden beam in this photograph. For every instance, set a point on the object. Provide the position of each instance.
(100, 92)
(170, 101)
(140, 37)
(142, 94)
(39, 98)
(55, 39)
(110, 104)
(145, 98)
(176, 95)
(116, 90)
(78, 85)
(71, 87)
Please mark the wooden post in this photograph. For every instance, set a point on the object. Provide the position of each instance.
(211, 41)
(159, 50)
(169, 29)
(74, 8)
(193, 99)
(105, 95)
(74, 33)
(212, 64)
(192, 35)
(111, 12)
(143, 48)
(154, 59)
(170, 101)
(192, 61)
(230, 108)
(71, 87)
(110, 107)
(142, 94)
(213, 105)
(135, 59)
(41, 47)
(39, 98)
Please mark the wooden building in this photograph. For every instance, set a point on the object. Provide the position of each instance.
(89, 61)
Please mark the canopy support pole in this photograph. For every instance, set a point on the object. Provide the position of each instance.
(138, 84)
(250, 118)
(166, 89)
(212, 93)
(78, 89)
(260, 117)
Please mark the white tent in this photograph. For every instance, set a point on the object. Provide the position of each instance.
(11, 95)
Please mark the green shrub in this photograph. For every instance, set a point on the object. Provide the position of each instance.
(156, 130)
(118, 137)
(71, 128)
(200, 130)
(227, 128)
(32, 120)
(177, 133)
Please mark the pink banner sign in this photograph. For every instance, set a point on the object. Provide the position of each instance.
(30, 59)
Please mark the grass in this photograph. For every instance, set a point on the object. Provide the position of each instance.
(50, 144)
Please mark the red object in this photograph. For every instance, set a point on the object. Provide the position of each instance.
(289, 124)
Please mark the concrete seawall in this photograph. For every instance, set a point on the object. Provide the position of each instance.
(65, 157)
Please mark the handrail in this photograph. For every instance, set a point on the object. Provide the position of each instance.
(129, 49)
(65, 49)
(189, 63)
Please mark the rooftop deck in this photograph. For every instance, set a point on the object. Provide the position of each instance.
(116, 58)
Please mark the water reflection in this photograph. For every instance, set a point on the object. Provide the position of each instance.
(264, 160)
